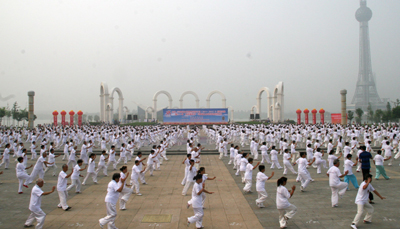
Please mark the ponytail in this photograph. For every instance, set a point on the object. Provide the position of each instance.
(281, 181)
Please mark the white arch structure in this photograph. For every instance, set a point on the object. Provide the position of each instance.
(216, 92)
(275, 103)
(155, 101)
(146, 112)
(107, 103)
(189, 93)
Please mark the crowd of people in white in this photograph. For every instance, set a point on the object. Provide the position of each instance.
(267, 144)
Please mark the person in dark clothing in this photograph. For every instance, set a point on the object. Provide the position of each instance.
(364, 159)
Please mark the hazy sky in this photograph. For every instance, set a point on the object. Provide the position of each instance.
(64, 49)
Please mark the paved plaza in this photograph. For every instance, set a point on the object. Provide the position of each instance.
(228, 207)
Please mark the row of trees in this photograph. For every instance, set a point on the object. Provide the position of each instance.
(377, 116)
(15, 113)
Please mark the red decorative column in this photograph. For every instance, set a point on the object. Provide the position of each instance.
(321, 114)
(314, 116)
(55, 114)
(306, 111)
(63, 113)
(298, 111)
(80, 113)
(71, 118)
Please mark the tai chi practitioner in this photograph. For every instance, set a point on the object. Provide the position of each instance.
(362, 201)
(260, 186)
(189, 180)
(35, 205)
(102, 163)
(150, 162)
(242, 168)
(111, 158)
(186, 162)
(52, 162)
(114, 188)
(264, 153)
(388, 152)
(75, 181)
(286, 162)
(38, 169)
(6, 156)
(197, 201)
(332, 157)
(319, 161)
(286, 210)
(378, 161)
(141, 166)
(338, 187)
(293, 151)
(274, 158)
(33, 151)
(125, 192)
(72, 157)
(62, 187)
(202, 172)
(248, 175)
(238, 157)
(122, 155)
(231, 154)
(348, 166)
(21, 174)
(135, 178)
(304, 176)
(91, 169)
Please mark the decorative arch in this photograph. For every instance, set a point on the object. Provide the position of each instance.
(279, 102)
(120, 105)
(155, 101)
(103, 101)
(189, 93)
(146, 112)
(260, 92)
(216, 92)
(126, 112)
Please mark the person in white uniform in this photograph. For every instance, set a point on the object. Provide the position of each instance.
(91, 169)
(260, 186)
(304, 176)
(75, 181)
(197, 201)
(286, 210)
(189, 179)
(125, 192)
(102, 163)
(136, 171)
(114, 188)
(362, 201)
(338, 188)
(62, 187)
(248, 175)
(35, 205)
(21, 174)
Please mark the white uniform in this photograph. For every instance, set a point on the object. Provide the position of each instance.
(35, 208)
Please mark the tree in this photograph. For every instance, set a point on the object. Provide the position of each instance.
(96, 118)
(396, 112)
(378, 116)
(396, 103)
(2, 113)
(359, 113)
(389, 111)
(350, 115)
(370, 113)
(90, 118)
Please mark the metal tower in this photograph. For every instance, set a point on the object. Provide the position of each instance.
(366, 92)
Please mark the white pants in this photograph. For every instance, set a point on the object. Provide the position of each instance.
(294, 156)
(102, 167)
(53, 166)
(135, 184)
(33, 175)
(66, 156)
(360, 210)
(72, 162)
(111, 215)
(114, 164)
(247, 187)
(242, 175)
(286, 166)
(76, 183)
(40, 216)
(124, 197)
(305, 180)
(187, 186)
(5, 162)
(150, 167)
(221, 153)
(255, 154)
(122, 159)
(21, 179)
(275, 162)
(141, 177)
(319, 164)
(197, 218)
(338, 190)
(93, 175)
(265, 157)
(288, 212)
(262, 196)
(63, 195)
(231, 159)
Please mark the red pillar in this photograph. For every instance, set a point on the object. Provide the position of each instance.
(321, 114)
(80, 113)
(314, 116)
(55, 114)
(306, 111)
(298, 111)
(63, 113)
(71, 118)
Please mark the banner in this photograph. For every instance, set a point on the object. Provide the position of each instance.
(195, 116)
(336, 118)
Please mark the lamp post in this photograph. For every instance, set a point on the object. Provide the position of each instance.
(55, 114)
